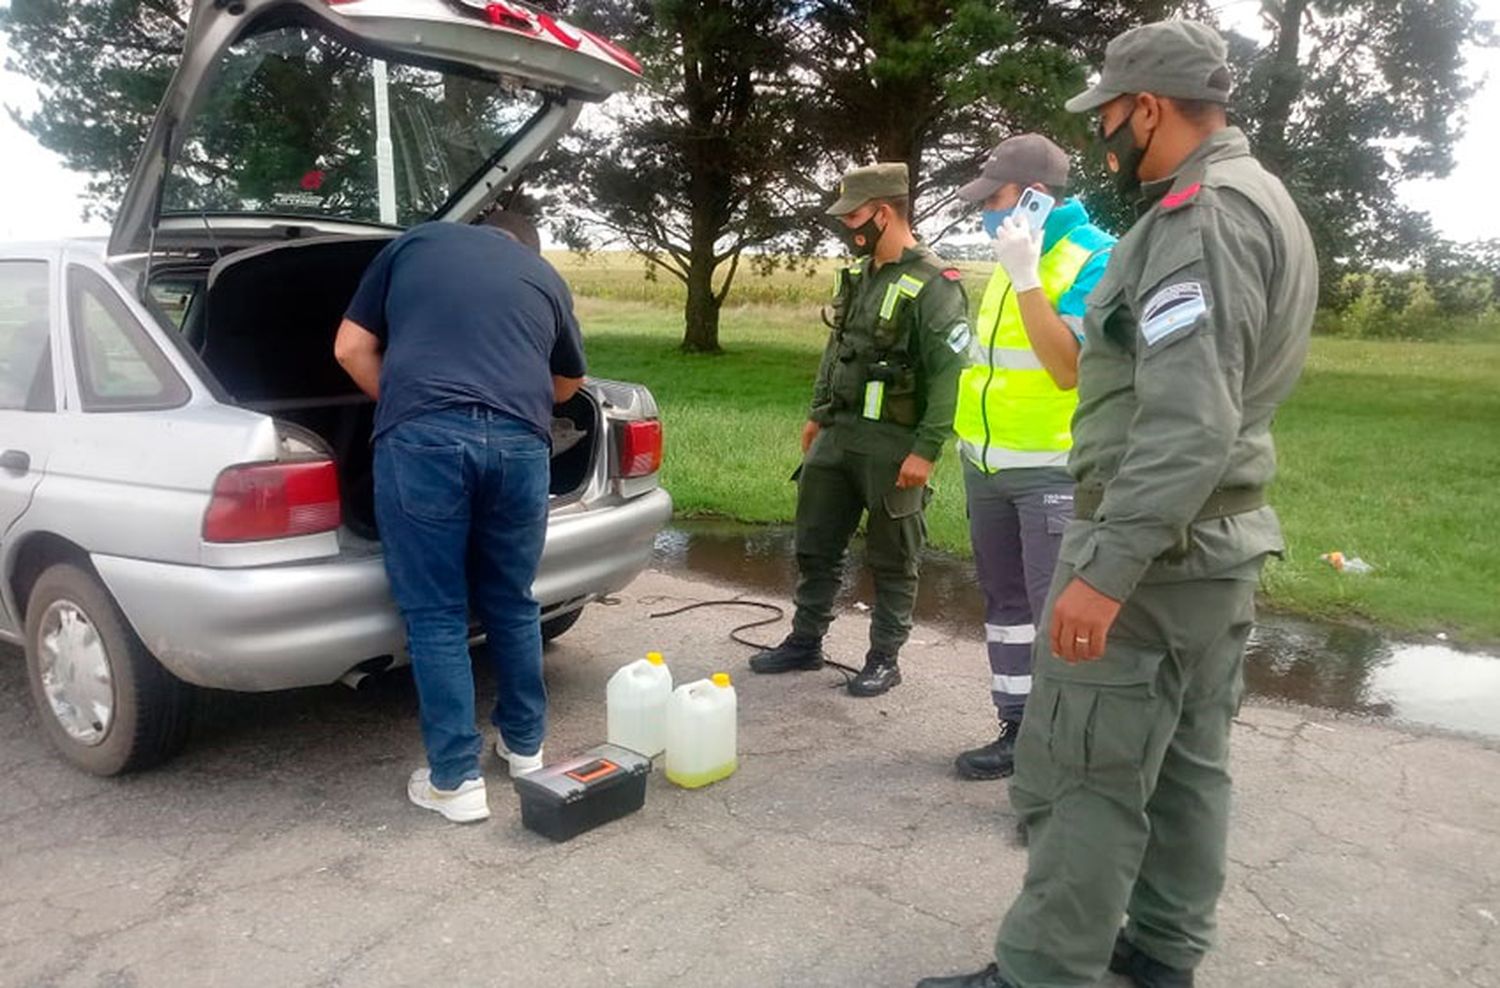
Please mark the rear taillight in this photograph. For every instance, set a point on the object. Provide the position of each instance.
(273, 501)
(640, 447)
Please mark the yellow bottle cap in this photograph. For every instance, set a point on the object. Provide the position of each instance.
(654, 658)
(721, 679)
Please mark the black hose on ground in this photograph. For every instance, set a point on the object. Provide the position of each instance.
(777, 613)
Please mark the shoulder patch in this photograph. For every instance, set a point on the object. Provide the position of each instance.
(959, 337)
(952, 274)
(1180, 198)
(1170, 309)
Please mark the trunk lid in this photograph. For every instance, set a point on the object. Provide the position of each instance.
(322, 115)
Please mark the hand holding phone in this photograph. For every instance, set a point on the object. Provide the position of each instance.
(1018, 245)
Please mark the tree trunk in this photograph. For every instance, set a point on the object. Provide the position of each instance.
(1282, 90)
(701, 91)
(702, 315)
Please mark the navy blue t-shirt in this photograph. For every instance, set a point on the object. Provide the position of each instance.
(467, 316)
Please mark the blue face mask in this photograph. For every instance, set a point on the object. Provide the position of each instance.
(992, 219)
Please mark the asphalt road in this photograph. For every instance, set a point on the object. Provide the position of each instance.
(279, 848)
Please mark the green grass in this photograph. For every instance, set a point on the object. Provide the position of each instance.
(1390, 451)
(623, 277)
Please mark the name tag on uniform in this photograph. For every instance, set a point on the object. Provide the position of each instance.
(874, 398)
(1170, 309)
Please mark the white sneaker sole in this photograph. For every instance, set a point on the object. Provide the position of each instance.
(468, 807)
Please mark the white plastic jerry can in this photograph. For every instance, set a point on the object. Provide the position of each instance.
(636, 701)
(701, 732)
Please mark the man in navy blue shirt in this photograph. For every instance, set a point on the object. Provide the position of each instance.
(466, 338)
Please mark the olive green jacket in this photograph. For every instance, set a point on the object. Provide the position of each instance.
(1195, 334)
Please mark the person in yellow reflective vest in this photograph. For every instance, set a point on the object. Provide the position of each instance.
(1015, 407)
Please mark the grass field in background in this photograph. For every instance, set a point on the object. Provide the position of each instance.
(1390, 451)
(622, 277)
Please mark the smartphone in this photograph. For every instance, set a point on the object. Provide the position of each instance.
(1034, 208)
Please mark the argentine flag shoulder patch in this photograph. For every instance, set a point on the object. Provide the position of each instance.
(959, 336)
(1171, 309)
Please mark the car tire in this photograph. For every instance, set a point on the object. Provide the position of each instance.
(103, 700)
(554, 628)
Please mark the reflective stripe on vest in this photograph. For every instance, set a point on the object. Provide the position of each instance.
(906, 286)
(1010, 412)
(996, 458)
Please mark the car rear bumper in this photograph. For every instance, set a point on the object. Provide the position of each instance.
(285, 626)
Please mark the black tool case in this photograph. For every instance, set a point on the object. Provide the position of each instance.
(566, 798)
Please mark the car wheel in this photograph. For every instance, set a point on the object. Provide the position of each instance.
(103, 700)
(558, 626)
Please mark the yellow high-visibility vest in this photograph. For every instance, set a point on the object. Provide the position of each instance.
(1010, 411)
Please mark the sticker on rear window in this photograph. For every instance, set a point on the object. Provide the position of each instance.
(298, 200)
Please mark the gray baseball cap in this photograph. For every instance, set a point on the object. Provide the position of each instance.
(1180, 59)
(1024, 160)
(886, 180)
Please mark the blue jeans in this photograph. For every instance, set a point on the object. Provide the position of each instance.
(461, 500)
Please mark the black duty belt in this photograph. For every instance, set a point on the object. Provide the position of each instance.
(1223, 502)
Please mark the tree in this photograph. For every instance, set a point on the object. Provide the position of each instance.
(929, 83)
(688, 171)
(1350, 98)
(102, 67)
(1464, 278)
(937, 83)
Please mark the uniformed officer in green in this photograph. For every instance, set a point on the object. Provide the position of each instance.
(882, 408)
(1193, 337)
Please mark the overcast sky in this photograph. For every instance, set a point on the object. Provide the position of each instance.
(39, 198)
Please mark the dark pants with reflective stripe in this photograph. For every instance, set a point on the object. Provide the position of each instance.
(1122, 783)
(1016, 521)
(838, 486)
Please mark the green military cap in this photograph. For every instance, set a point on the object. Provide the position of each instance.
(887, 180)
(1179, 59)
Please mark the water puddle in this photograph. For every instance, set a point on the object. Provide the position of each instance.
(1342, 667)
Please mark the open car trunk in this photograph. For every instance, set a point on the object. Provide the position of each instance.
(265, 325)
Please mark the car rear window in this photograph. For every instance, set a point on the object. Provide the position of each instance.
(299, 123)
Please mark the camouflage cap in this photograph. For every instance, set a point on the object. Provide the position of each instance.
(887, 180)
(1179, 59)
(1025, 159)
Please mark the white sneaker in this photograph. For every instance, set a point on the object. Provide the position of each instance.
(466, 804)
(519, 764)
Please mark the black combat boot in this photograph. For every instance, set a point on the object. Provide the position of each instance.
(795, 653)
(1143, 971)
(995, 760)
(988, 978)
(879, 675)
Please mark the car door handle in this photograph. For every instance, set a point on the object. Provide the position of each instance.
(15, 461)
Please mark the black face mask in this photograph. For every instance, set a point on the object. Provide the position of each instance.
(1121, 143)
(863, 238)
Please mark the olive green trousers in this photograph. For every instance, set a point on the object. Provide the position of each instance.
(838, 485)
(1122, 783)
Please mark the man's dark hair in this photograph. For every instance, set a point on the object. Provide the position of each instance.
(517, 225)
(900, 205)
